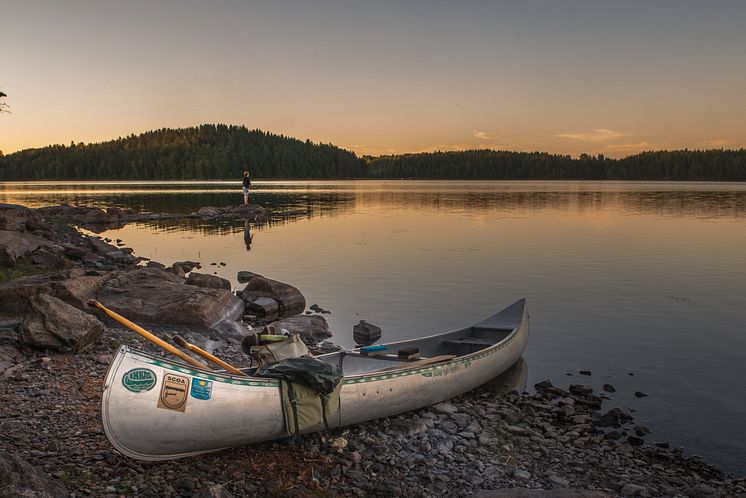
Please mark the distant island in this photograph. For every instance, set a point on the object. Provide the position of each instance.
(223, 151)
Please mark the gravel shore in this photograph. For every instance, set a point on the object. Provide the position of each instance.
(552, 440)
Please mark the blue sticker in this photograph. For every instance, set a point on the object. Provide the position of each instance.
(201, 388)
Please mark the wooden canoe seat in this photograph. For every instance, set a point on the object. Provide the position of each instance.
(469, 341)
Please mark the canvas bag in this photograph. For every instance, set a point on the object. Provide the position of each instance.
(309, 390)
(305, 410)
(271, 353)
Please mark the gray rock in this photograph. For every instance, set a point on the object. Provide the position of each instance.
(156, 265)
(47, 257)
(14, 245)
(634, 490)
(522, 474)
(19, 478)
(101, 247)
(214, 491)
(615, 417)
(153, 296)
(557, 480)
(14, 217)
(177, 270)
(702, 490)
(54, 324)
(445, 407)
(250, 212)
(209, 211)
(518, 430)
(312, 328)
(286, 295)
(188, 266)
(408, 427)
(10, 323)
(264, 305)
(581, 389)
(245, 277)
(208, 281)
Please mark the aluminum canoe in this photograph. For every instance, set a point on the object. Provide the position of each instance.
(156, 409)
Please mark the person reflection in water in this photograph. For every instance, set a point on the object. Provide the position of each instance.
(247, 237)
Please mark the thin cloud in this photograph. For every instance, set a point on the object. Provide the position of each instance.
(482, 135)
(717, 142)
(596, 135)
(635, 147)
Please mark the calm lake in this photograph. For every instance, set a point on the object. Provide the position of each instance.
(644, 284)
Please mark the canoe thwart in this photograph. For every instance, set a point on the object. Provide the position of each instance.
(418, 363)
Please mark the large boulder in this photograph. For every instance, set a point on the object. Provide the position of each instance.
(54, 324)
(154, 296)
(311, 328)
(208, 281)
(286, 295)
(14, 217)
(75, 287)
(19, 478)
(14, 245)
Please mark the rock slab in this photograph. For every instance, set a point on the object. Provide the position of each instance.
(208, 281)
(54, 324)
(153, 296)
(19, 478)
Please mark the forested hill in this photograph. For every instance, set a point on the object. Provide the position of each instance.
(708, 165)
(204, 152)
(223, 152)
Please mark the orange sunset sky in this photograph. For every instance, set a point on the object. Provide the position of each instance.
(384, 77)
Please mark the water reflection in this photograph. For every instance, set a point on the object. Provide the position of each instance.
(513, 379)
(295, 200)
(247, 236)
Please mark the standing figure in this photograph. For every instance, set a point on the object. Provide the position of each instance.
(246, 185)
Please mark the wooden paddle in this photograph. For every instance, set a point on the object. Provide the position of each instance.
(147, 335)
(204, 354)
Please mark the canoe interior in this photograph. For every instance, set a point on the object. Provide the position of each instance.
(457, 343)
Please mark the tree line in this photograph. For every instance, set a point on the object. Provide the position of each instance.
(702, 165)
(223, 152)
(203, 152)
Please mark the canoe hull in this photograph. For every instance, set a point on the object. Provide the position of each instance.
(154, 409)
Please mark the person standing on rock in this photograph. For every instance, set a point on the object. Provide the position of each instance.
(246, 186)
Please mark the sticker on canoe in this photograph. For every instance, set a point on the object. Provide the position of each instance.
(138, 380)
(174, 392)
(201, 388)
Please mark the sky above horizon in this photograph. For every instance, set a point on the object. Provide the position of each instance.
(384, 77)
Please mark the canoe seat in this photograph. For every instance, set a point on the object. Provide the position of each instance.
(469, 341)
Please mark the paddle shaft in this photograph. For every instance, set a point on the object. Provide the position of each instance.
(204, 354)
(147, 335)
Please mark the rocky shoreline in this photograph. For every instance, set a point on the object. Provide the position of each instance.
(554, 442)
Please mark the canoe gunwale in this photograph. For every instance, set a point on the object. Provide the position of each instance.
(223, 376)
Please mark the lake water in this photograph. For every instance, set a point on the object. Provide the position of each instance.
(644, 284)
